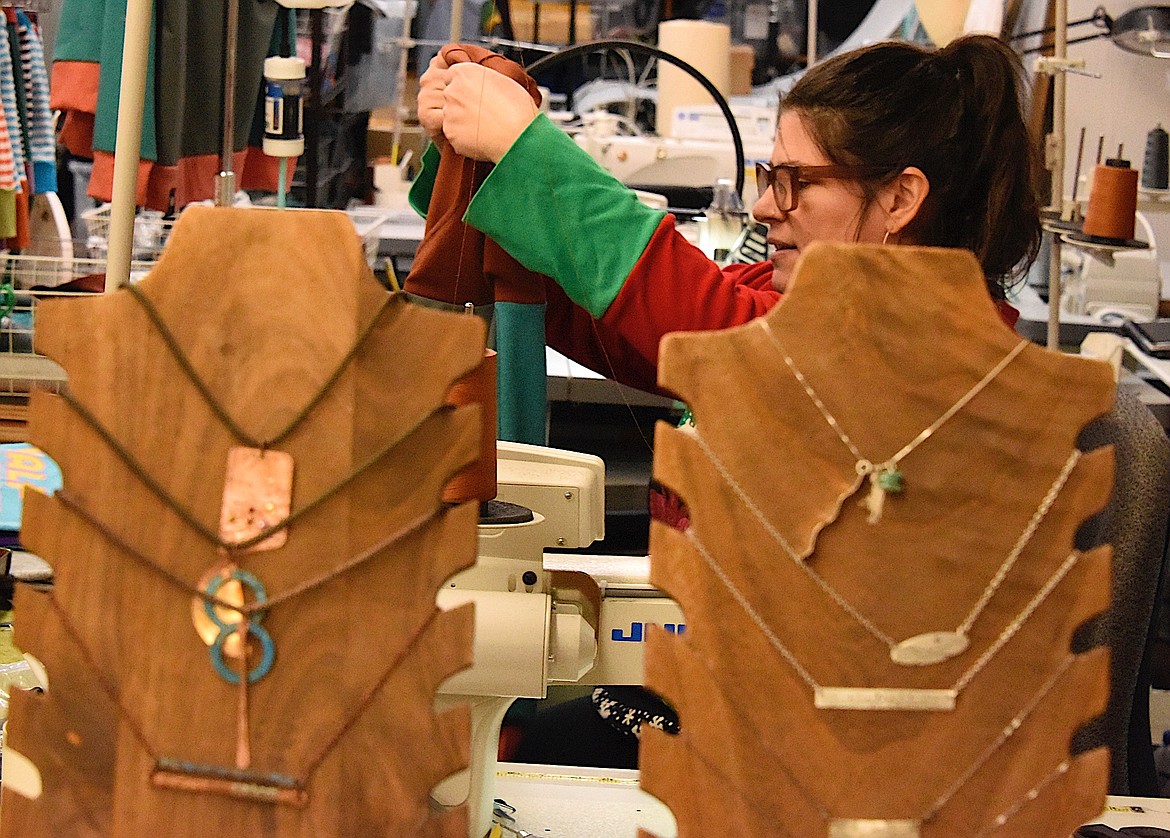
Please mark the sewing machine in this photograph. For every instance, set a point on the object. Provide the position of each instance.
(697, 154)
(1110, 281)
(541, 618)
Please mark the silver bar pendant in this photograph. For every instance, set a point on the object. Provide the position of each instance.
(857, 828)
(883, 698)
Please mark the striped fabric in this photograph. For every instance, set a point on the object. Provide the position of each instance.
(35, 77)
(11, 111)
(8, 179)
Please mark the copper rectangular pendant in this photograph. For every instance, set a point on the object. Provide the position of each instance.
(257, 495)
(883, 698)
(862, 828)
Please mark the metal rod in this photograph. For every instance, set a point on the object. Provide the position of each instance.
(400, 94)
(313, 107)
(1059, 98)
(1077, 170)
(456, 30)
(1098, 17)
(128, 141)
(813, 25)
(225, 193)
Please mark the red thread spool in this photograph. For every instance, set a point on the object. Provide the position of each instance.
(478, 480)
(1113, 201)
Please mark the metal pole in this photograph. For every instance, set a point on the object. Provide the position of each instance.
(1057, 149)
(811, 48)
(128, 141)
(313, 107)
(225, 192)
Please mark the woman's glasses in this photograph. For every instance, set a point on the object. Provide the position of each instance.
(786, 180)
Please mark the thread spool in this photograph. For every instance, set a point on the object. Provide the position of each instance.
(284, 115)
(704, 45)
(1155, 172)
(478, 480)
(1112, 201)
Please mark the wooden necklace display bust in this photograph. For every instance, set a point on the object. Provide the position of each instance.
(801, 713)
(260, 345)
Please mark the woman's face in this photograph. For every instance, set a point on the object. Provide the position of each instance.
(827, 210)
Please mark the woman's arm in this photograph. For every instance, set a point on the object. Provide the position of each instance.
(611, 258)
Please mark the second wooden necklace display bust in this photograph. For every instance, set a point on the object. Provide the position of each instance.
(801, 711)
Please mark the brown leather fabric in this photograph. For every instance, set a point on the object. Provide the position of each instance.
(454, 262)
(461, 53)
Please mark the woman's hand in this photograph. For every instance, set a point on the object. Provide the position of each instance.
(484, 112)
(431, 99)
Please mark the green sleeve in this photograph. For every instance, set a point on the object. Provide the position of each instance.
(424, 184)
(560, 214)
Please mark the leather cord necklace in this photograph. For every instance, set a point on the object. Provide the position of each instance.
(246, 609)
(239, 781)
(180, 357)
(882, 698)
(885, 476)
(157, 489)
(921, 649)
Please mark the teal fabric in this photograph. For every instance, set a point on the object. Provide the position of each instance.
(522, 396)
(112, 23)
(560, 214)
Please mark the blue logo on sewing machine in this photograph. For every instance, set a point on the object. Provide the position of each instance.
(637, 632)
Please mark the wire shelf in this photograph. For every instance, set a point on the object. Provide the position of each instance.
(27, 281)
(151, 232)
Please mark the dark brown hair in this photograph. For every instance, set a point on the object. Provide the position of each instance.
(956, 114)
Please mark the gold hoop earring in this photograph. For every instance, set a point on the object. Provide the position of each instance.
(886, 237)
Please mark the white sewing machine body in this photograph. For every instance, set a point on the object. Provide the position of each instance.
(1124, 282)
(541, 618)
(698, 152)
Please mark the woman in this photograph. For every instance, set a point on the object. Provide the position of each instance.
(892, 143)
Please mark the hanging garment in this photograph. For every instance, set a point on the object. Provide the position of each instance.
(34, 77)
(9, 182)
(182, 114)
(10, 97)
(457, 265)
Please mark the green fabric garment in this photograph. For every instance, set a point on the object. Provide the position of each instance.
(424, 184)
(21, 100)
(516, 332)
(190, 49)
(108, 17)
(7, 213)
(522, 396)
(559, 213)
(184, 84)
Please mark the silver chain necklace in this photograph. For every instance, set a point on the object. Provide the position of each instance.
(885, 476)
(910, 828)
(921, 649)
(882, 698)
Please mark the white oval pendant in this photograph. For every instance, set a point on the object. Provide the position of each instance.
(931, 647)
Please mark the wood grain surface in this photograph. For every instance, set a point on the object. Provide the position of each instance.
(265, 304)
(889, 338)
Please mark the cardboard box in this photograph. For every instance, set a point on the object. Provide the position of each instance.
(554, 22)
(743, 62)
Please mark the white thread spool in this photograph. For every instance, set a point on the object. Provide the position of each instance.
(284, 85)
(704, 45)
